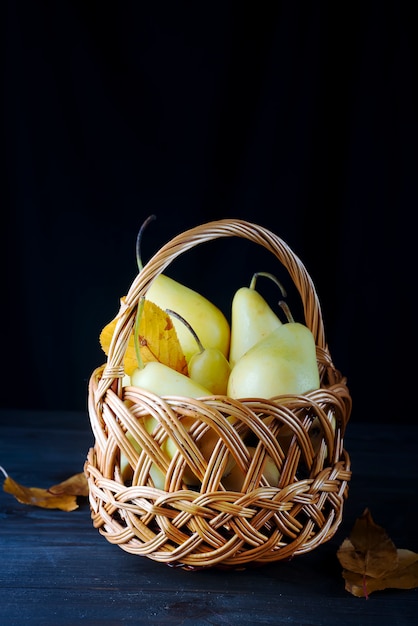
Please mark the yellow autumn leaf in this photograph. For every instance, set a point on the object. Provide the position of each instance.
(130, 362)
(65, 498)
(157, 337)
(75, 485)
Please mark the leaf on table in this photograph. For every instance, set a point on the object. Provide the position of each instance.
(368, 550)
(64, 498)
(76, 485)
(158, 340)
(405, 576)
(371, 561)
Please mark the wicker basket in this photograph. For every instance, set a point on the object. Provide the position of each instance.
(211, 525)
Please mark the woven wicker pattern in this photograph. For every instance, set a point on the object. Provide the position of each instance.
(211, 523)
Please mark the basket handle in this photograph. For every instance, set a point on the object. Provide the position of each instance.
(235, 228)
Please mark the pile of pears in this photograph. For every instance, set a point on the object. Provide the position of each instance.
(256, 356)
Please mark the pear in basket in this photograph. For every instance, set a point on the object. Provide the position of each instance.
(252, 318)
(205, 317)
(282, 363)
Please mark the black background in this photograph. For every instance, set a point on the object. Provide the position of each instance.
(300, 116)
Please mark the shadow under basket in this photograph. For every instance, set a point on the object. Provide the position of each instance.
(272, 483)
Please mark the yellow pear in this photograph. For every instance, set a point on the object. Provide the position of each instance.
(282, 363)
(208, 366)
(252, 318)
(205, 317)
(165, 381)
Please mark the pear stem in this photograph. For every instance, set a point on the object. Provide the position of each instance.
(139, 312)
(283, 305)
(139, 240)
(189, 327)
(272, 277)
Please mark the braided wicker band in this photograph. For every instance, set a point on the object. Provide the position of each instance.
(210, 524)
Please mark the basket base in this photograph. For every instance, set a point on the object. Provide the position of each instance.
(192, 530)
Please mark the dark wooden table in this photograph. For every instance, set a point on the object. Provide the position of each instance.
(56, 569)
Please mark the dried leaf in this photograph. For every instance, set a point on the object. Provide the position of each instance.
(405, 576)
(76, 485)
(62, 496)
(130, 362)
(371, 561)
(157, 339)
(368, 550)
